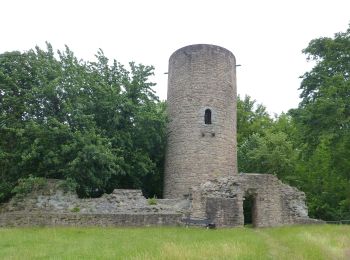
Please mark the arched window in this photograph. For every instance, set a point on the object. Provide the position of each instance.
(207, 117)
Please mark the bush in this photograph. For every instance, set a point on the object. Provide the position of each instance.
(69, 185)
(27, 185)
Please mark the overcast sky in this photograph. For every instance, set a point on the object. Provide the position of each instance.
(265, 36)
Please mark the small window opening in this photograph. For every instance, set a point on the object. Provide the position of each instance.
(207, 117)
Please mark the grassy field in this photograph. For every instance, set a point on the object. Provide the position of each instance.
(300, 242)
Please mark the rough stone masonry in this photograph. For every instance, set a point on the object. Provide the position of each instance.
(202, 118)
(201, 158)
(51, 205)
(201, 179)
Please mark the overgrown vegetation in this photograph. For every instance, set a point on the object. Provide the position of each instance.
(152, 201)
(75, 210)
(99, 126)
(27, 185)
(302, 242)
(68, 185)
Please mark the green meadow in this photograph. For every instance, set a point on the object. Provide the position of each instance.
(297, 242)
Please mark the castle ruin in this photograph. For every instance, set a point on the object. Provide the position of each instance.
(201, 158)
(201, 178)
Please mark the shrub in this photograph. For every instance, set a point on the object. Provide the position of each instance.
(27, 185)
(69, 185)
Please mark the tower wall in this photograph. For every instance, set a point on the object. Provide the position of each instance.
(201, 77)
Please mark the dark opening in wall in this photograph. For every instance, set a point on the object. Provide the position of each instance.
(249, 210)
(207, 117)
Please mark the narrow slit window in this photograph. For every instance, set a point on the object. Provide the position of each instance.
(207, 117)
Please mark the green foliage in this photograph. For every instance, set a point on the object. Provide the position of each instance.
(268, 153)
(75, 210)
(309, 147)
(95, 124)
(264, 144)
(323, 123)
(27, 185)
(252, 118)
(69, 185)
(152, 201)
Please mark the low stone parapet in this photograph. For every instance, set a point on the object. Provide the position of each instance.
(24, 219)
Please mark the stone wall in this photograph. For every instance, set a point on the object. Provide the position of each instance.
(23, 219)
(200, 77)
(275, 203)
(52, 198)
(52, 206)
(220, 200)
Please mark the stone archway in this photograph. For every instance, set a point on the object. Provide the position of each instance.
(273, 203)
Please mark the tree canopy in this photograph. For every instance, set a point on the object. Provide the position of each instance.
(323, 120)
(94, 123)
(309, 147)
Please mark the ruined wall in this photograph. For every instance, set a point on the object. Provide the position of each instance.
(52, 198)
(200, 77)
(220, 200)
(52, 206)
(23, 219)
(275, 203)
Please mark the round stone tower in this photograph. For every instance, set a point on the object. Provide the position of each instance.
(202, 118)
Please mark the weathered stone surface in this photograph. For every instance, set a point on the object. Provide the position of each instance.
(51, 205)
(22, 219)
(275, 203)
(219, 200)
(52, 198)
(201, 156)
(200, 77)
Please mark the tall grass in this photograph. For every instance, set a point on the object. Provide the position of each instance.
(299, 242)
